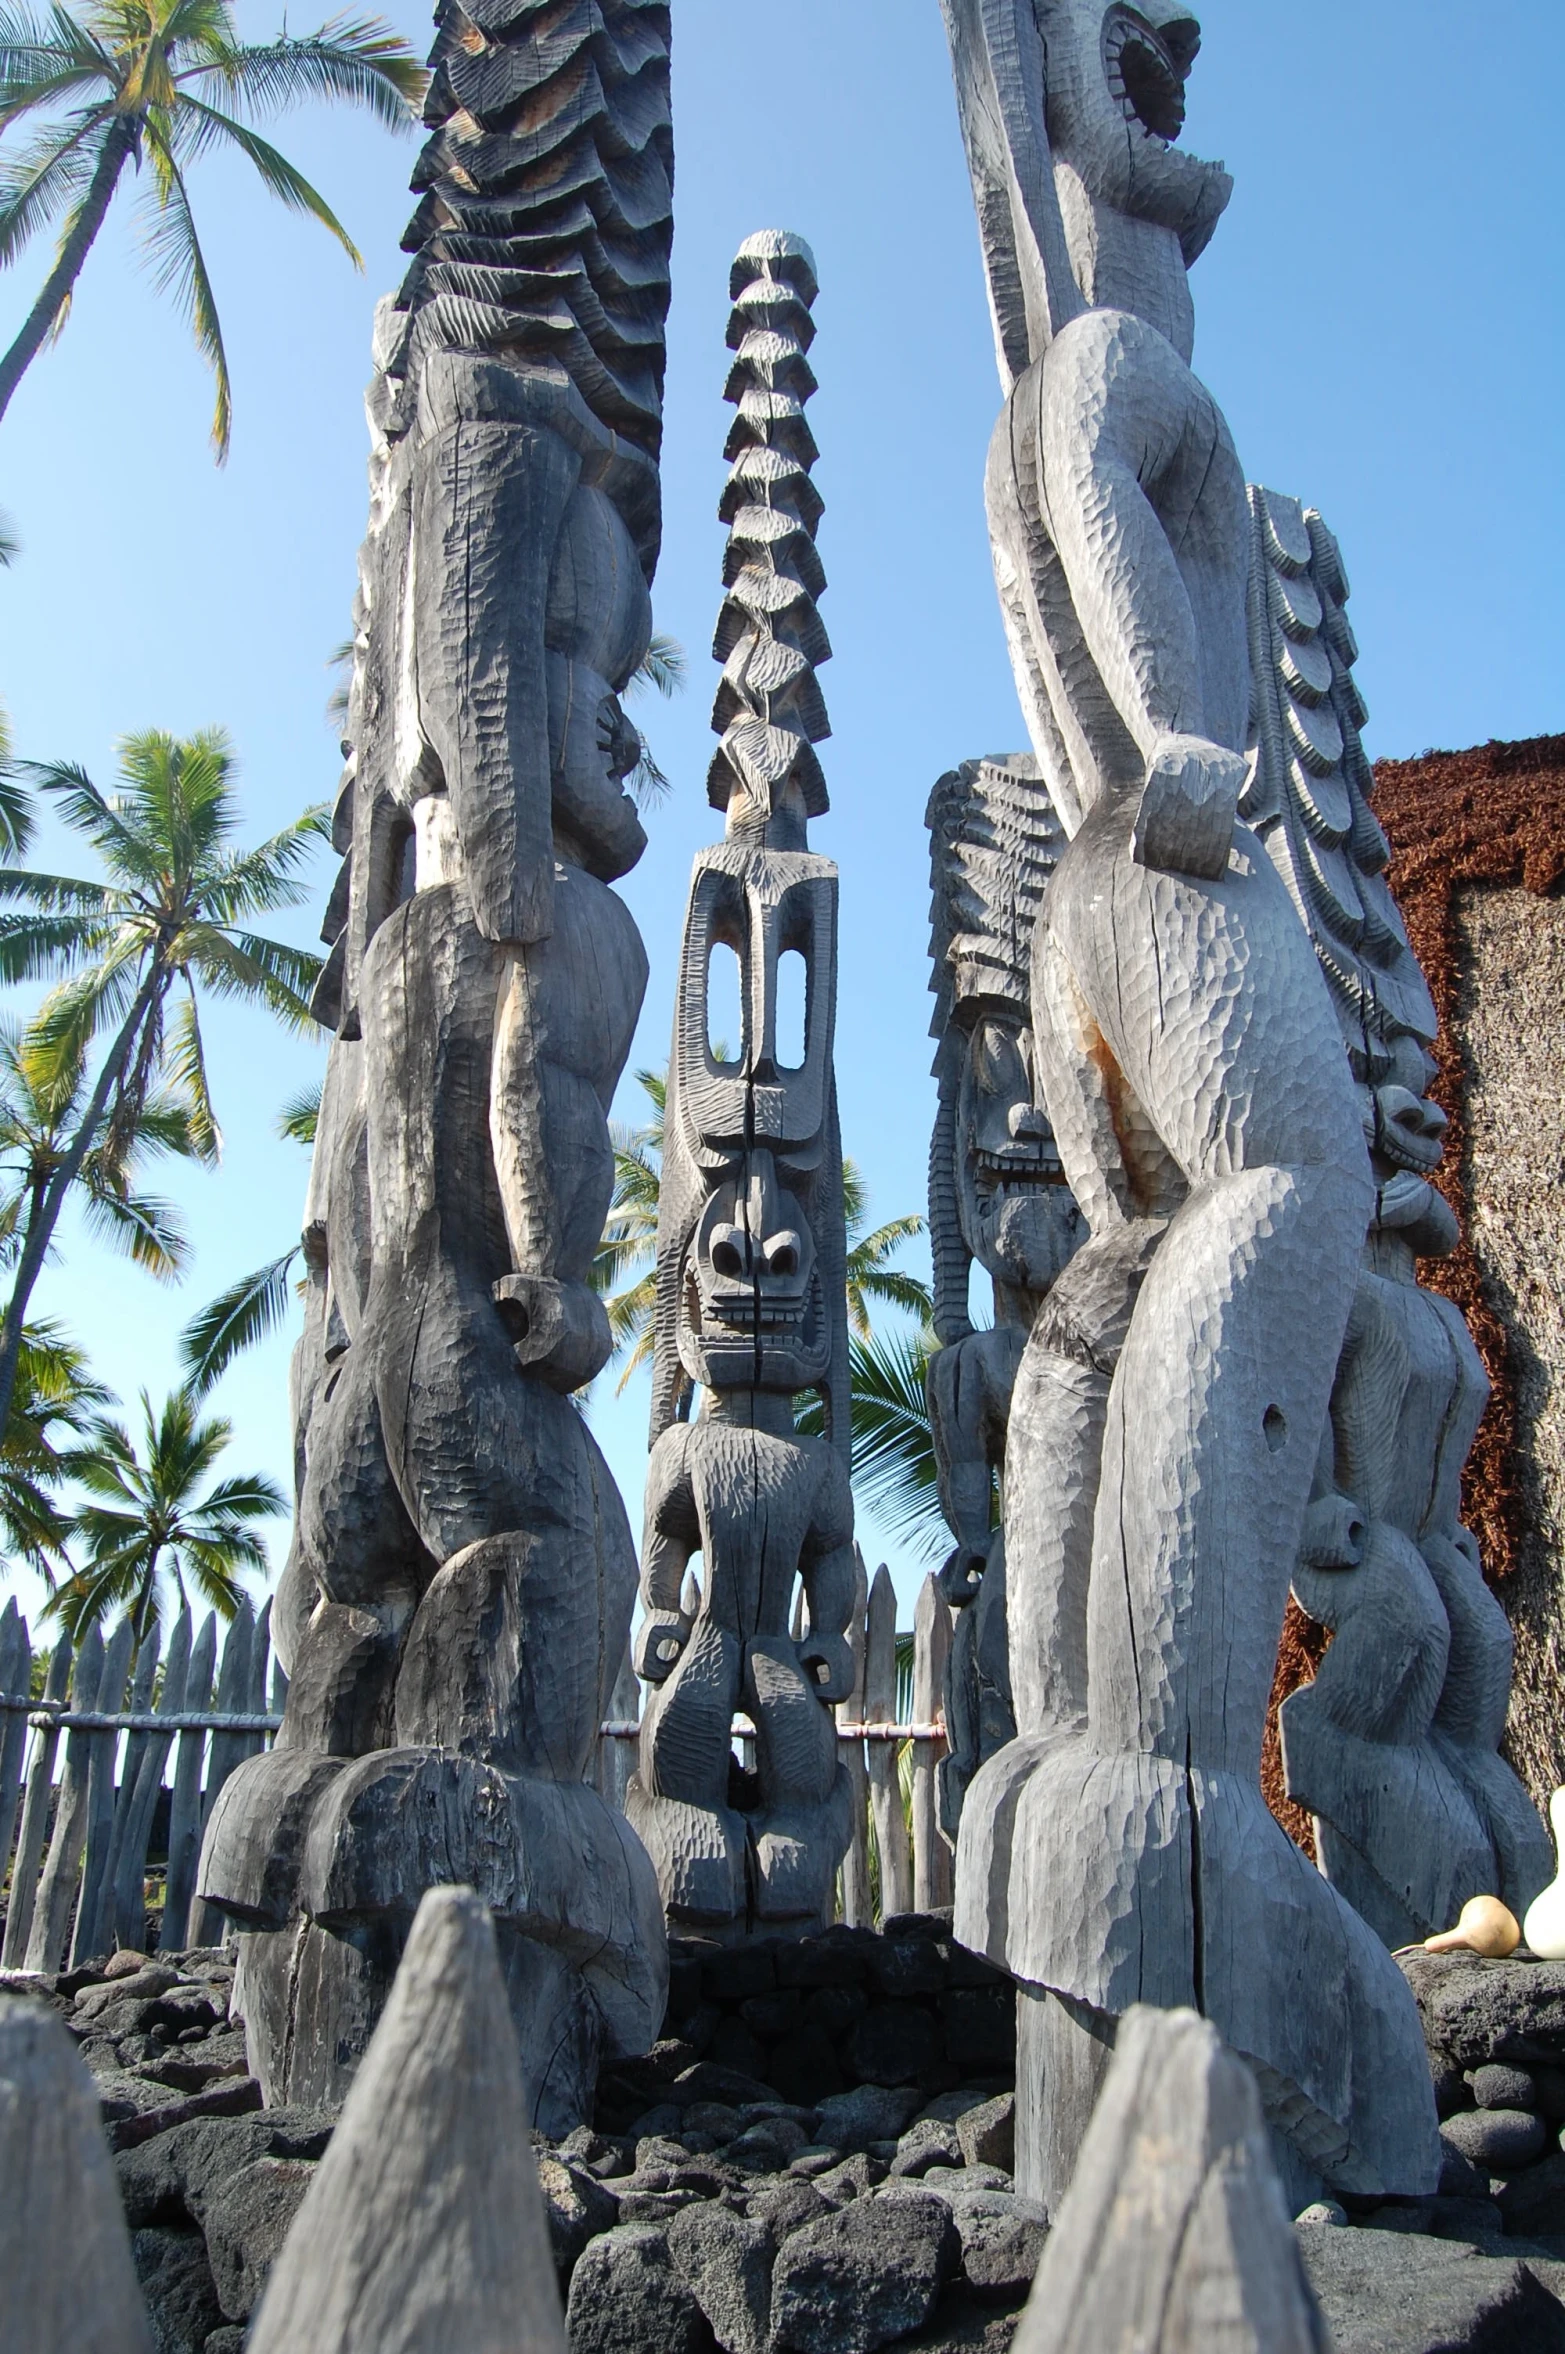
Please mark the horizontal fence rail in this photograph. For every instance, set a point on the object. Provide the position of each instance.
(78, 1812)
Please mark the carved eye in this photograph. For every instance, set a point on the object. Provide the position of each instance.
(726, 1256)
(782, 1253)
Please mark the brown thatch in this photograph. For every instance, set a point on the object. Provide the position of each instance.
(1492, 817)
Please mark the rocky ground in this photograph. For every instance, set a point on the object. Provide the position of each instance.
(830, 2213)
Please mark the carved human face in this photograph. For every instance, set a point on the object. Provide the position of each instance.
(1404, 1127)
(1018, 1217)
(753, 1313)
(1116, 105)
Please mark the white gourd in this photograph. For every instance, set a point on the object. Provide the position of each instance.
(1544, 1927)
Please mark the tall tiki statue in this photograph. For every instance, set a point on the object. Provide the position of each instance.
(1168, 1409)
(1395, 1745)
(751, 1269)
(460, 1588)
(997, 1200)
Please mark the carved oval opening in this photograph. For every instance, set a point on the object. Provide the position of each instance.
(793, 997)
(724, 1003)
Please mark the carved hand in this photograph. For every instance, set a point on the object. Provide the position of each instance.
(1185, 817)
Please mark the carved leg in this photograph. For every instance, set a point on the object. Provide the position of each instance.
(798, 1833)
(678, 1799)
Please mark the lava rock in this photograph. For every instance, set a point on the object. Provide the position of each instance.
(1477, 2010)
(858, 2279)
(851, 2180)
(576, 2208)
(739, 1971)
(246, 2220)
(840, 1958)
(980, 2028)
(772, 2016)
(1459, 2177)
(767, 2148)
(230, 2339)
(905, 1967)
(627, 2298)
(1533, 2203)
(181, 2295)
(1452, 2090)
(787, 2207)
(927, 2142)
(819, 2158)
(1496, 2087)
(872, 2112)
(894, 2043)
(167, 2181)
(833, 2009)
(1002, 2239)
(707, 2081)
(987, 2134)
(1503, 2140)
(804, 2066)
(1550, 2085)
(1380, 2290)
(733, 2046)
(726, 2260)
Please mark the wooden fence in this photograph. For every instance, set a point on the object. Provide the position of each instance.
(75, 1836)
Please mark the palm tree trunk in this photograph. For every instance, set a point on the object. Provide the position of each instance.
(40, 1229)
(118, 147)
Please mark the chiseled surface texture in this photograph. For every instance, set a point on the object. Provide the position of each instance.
(457, 1603)
(1174, 2237)
(1394, 1745)
(751, 1263)
(997, 1196)
(68, 2283)
(1512, 964)
(423, 2229)
(1168, 1408)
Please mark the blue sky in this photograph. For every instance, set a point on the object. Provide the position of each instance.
(1379, 315)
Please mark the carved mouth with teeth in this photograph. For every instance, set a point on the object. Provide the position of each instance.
(998, 1175)
(1147, 68)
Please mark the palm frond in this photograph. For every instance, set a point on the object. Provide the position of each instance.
(300, 1116)
(179, 270)
(186, 1057)
(235, 1321)
(664, 666)
(38, 184)
(199, 127)
(362, 61)
(256, 970)
(149, 1231)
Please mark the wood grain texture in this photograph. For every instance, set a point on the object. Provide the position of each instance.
(751, 1253)
(880, 1708)
(1174, 2237)
(35, 1816)
(1168, 1407)
(69, 2285)
(456, 1606)
(424, 2230)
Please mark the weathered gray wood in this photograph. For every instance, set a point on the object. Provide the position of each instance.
(857, 1907)
(880, 1708)
(90, 1935)
(1168, 1409)
(751, 1304)
(184, 1830)
(35, 1816)
(228, 1750)
(459, 1591)
(260, 1660)
(16, 1667)
(1174, 2237)
(67, 2284)
(57, 1887)
(102, 1930)
(997, 1198)
(423, 2231)
(130, 1864)
(617, 1757)
(931, 1650)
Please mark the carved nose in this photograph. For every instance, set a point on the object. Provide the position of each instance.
(1414, 1113)
(1027, 1124)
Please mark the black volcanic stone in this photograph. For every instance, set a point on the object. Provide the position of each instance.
(895, 2043)
(980, 2028)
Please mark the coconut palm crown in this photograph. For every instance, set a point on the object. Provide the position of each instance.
(171, 918)
(157, 84)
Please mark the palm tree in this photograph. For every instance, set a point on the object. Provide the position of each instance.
(242, 1316)
(145, 1516)
(663, 666)
(870, 1277)
(16, 822)
(128, 81)
(40, 1107)
(893, 1448)
(172, 913)
(52, 1402)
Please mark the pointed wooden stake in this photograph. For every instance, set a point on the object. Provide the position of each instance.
(68, 2283)
(424, 2230)
(1173, 2237)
